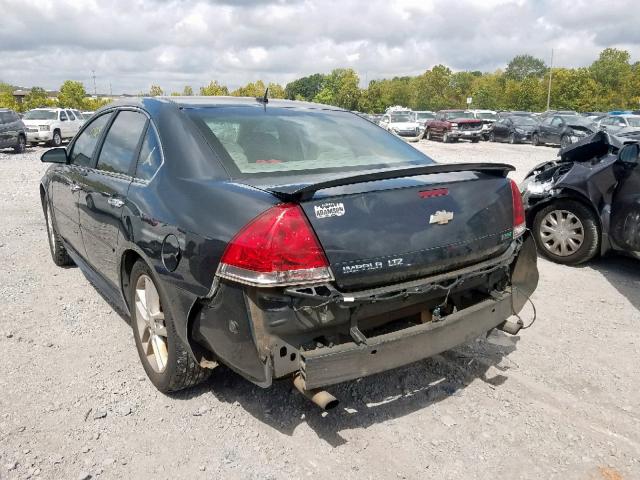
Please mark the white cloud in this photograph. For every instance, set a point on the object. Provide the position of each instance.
(135, 43)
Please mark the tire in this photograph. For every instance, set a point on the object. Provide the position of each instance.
(565, 141)
(445, 137)
(535, 140)
(21, 147)
(475, 140)
(56, 247)
(56, 141)
(427, 135)
(588, 227)
(492, 137)
(512, 139)
(166, 360)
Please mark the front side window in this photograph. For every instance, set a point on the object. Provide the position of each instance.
(85, 145)
(256, 140)
(121, 142)
(150, 156)
(556, 122)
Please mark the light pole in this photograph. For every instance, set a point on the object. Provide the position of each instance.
(549, 90)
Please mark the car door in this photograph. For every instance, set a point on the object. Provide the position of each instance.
(68, 181)
(4, 129)
(64, 124)
(74, 122)
(104, 197)
(505, 128)
(556, 129)
(625, 206)
(544, 129)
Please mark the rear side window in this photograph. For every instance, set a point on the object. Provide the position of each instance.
(63, 116)
(150, 156)
(4, 117)
(120, 145)
(86, 143)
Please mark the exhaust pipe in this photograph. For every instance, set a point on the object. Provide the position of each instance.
(321, 398)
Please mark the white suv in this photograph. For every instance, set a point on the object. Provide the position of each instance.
(52, 125)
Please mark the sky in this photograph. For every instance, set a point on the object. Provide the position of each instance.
(132, 44)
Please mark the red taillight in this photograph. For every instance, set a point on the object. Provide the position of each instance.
(278, 247)
(436, 192)
(519, 221)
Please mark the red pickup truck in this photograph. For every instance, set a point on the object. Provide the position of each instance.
(451, 125)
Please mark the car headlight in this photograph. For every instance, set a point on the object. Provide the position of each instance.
(454, 125)
(520, 131)
(538, 188)
(44, 128)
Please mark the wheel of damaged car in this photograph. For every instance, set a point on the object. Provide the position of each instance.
(427, 134)
(565, 141)
(535, 140)
(567, 232)
(492, 137)
(164, 357)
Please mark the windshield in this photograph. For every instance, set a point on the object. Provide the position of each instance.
(424, 116)
(486, 116)
(454, 115)
(264, 141)
(41, 115)
(634, 121)
(522, 120)
(576, 120)
(400, 117)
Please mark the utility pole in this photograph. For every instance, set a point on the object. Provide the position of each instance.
(110, 90)
(95, 90)
(550, 73)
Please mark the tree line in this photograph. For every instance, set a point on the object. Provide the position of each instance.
(611, 82)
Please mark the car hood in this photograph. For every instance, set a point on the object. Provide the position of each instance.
(404, 125)
(37, 122)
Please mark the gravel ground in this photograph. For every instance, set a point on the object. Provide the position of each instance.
(558, 401)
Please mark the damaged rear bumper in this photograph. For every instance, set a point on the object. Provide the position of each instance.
(329, 336)
(330, 365)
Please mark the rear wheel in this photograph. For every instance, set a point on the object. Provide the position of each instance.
(56, 247)
(164, 357)
(512, 139)
(22, 145)
(535, 140)
(567, 232)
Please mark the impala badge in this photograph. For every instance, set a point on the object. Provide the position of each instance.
(441, 217)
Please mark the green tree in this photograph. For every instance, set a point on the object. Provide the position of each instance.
(525, 66)
(72, 94)
(187, 91)
(37, 98)
(612, 68)
(430, 89)
(340, 89)
(251, 89)
(305, 88)
(155, 91)
(276, 91)
(213, 89)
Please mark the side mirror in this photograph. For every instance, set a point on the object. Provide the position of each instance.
(629, 154)
(55, 155)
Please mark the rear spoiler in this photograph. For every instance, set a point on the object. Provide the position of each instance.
(301, 192)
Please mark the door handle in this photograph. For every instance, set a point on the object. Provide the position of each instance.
(75, 187)
(115, 202)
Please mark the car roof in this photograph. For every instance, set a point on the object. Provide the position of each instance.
(228, 101)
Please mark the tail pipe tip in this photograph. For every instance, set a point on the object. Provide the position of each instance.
(320, 397)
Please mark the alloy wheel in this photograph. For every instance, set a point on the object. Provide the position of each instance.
(150, 324)
(561, 233)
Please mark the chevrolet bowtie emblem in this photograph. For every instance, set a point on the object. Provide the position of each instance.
(441, 217)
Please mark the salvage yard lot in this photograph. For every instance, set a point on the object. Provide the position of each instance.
(558, 401)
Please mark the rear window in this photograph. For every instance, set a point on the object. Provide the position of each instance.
(286, 140)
